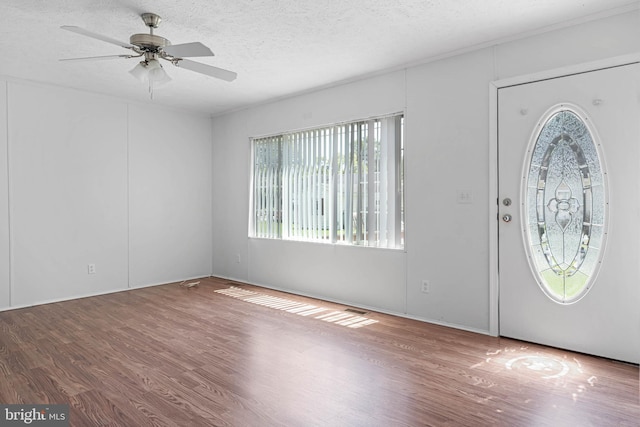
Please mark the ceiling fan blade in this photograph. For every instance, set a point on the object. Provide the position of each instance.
(96, 36)
(208, 70)
(186, 50)
(97, 58)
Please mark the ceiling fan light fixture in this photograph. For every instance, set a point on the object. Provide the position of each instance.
(157, 74)
(150, 70)
(140, 71)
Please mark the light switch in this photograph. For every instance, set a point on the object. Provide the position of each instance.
(464, 197)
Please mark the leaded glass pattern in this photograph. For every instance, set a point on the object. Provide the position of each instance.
(565, 206)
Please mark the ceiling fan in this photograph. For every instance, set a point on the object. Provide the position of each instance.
(151, 48)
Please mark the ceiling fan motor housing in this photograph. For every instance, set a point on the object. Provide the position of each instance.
(150, 42)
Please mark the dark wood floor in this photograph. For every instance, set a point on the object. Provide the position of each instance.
(169, 355)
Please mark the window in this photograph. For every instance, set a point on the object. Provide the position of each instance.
(565, 206)
(335, 184)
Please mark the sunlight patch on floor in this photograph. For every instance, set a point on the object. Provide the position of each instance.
(301, 309)
(561, 372)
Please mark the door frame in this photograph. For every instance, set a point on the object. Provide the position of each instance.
(494, 86)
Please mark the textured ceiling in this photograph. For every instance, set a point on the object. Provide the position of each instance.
(278, 48)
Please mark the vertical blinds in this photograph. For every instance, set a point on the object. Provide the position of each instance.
(337, 184)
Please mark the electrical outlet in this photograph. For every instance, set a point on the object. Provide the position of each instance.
(237, 258)
(91, 269)
(425, 286)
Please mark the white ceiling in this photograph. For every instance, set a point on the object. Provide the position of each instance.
(278, 48)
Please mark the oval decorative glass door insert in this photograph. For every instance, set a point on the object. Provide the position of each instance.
(564, 205)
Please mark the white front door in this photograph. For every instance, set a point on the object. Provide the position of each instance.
(569, 212)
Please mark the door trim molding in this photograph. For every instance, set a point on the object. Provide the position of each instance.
(494, 86)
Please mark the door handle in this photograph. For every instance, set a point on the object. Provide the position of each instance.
(507, 218)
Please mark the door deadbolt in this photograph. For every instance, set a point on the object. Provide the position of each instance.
(507, 218)
(507, 202)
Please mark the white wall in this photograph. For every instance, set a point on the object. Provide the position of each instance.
(372, 278)
(169, 196)
(68, 188)
(604, 38)
(447, 151)
(94, 180)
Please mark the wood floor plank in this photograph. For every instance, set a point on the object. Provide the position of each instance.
(171, 356)
(43, 387)
(98, 410)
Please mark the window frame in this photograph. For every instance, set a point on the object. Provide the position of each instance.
(387, 169)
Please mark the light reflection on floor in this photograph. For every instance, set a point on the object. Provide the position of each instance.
(549, 367)
(564, 373)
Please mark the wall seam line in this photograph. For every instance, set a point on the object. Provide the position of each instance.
(9, 204)
(128, 142)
